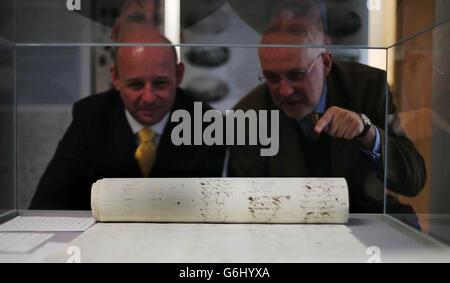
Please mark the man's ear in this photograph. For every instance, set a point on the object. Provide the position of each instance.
(179, 73)
(327, 62)
(115, 77)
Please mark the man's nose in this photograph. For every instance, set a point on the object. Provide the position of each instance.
(285, 88)
(149, 95)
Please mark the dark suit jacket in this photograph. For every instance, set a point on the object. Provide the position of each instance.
(358, 88)
(99, 144)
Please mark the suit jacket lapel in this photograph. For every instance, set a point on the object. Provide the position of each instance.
(123, 143)
(291, 154)
(168, 155)
(341, 149)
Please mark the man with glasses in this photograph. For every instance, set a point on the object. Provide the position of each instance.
(332, 116)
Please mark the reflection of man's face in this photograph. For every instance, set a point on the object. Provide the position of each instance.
(140, 11)
(146, 78)
(146, 12)
(284, 68)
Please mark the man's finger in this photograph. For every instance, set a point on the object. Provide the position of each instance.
(325, 121)
(346, 125)
(333, 128)
(343, 128)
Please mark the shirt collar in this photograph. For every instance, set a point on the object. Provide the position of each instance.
(322, 107)
(136, 126)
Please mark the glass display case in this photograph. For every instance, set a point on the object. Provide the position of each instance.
(54, 53)
(7, 87)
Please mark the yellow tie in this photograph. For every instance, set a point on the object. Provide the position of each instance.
(146, 152)
(314, 118)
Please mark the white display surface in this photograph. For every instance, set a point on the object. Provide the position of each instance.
(37, 255)
(21, 242)
(47, 224)
(357, 241)
(145, 242)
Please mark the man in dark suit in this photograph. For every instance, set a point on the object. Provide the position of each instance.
(347, 102)
(126, 132)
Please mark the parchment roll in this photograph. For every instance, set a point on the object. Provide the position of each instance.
(221, 200)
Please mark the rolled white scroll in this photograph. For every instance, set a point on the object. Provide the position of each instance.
(221, 200)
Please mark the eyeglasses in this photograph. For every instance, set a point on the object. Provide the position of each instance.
(295, 76)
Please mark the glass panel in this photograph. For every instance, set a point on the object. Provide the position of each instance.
(421, 92)
(7, 21)
(7, 71)
(52, 78)
(364, 23)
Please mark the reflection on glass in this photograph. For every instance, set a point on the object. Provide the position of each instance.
(421, 94)
(7, 193)
(7, 148)
(299, 81)
(352, 22)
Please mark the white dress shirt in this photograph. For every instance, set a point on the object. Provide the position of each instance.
(157, 128)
